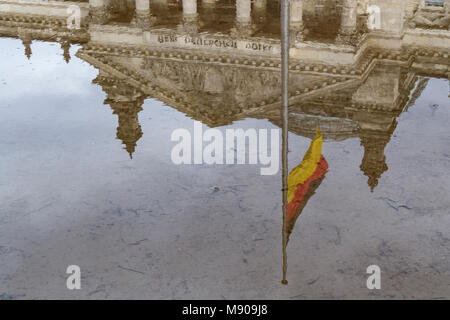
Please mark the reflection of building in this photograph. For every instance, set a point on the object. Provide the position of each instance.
(126, 102)
(352, 69)
(374, 161)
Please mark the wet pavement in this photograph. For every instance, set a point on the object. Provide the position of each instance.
(87, 178)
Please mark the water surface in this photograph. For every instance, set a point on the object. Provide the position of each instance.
(87, 178)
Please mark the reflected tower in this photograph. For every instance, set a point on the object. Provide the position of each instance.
(126, 102)
(374, 161)
(26, 41)
(65, 45)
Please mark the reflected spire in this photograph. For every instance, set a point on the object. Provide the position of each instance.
(374, 162)
(27, 44)
(65, 45)
(126, 102)
(129, 130)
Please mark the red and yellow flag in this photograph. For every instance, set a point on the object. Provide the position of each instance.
(305, 179)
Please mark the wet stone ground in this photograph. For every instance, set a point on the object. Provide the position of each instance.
(146, 228)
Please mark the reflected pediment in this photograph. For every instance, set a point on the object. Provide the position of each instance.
(218, 94)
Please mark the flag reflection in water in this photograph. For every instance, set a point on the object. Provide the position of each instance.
(302, 184)
(304, 180)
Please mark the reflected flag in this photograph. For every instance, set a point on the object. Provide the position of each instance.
(304, 180)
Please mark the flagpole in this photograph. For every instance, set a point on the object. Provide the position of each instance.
(285, 118)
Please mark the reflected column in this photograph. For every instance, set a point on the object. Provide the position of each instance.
(296, 21)
(347, 31)
(244, 17)
(144, 17)
(190, 16)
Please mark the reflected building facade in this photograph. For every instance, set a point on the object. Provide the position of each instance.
(356, 65)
